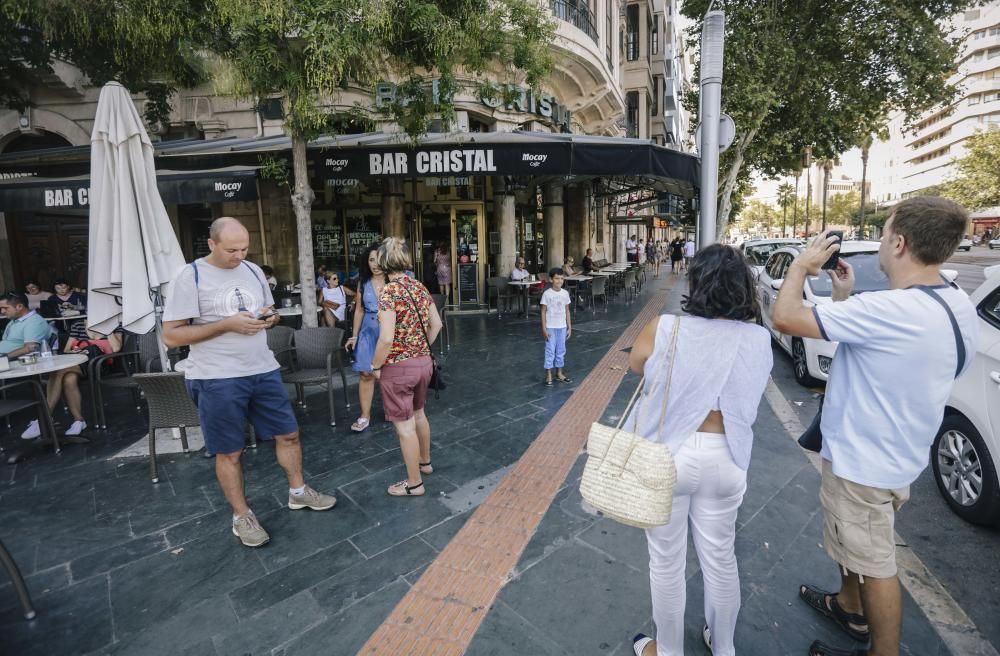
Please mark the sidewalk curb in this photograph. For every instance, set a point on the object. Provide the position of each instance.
(950, 622)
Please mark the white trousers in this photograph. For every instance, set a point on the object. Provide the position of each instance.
(708, 494)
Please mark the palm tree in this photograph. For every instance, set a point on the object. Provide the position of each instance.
(786, 195)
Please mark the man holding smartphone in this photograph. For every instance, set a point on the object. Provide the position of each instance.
(898, 355)
(221, 305)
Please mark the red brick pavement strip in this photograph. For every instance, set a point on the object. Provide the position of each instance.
(442, 612)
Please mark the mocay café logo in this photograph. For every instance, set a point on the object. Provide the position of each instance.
(336, 164)
(534, 160)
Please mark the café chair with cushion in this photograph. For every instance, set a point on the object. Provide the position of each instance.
(497, 288)
(279, 340)
(317, 356)
(597, 288)
(169, 406)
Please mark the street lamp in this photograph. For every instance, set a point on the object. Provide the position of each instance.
(827, 169)
(713, 38)
(795, 206)
(807, 159)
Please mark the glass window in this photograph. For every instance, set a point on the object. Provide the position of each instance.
(989, 309)
(654, 108)
(609, 34)
(655, 38)
(974, 100)
(867, 273)
(775, 266)
(632, 32)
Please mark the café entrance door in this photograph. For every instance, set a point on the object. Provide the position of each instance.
(452, 237)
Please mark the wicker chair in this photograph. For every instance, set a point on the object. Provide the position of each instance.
(19, 587)
(497, 287)
(9, 406)
(598, 287)
(629, 285)
(279, 340)
(441, 303)
(317, 355)
(140, 353)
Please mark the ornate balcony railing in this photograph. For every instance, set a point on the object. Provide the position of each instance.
(577, 14)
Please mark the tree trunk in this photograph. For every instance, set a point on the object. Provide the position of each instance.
(302, 200)
(726, 198)
(864, 178)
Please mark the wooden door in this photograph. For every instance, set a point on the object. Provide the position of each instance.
(46, 247)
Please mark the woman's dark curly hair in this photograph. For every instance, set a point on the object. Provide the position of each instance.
(721, 285)
(365, 271)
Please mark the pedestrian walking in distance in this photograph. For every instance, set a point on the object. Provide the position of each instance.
(710, 393)
(878, 426)
(221, 305)
(557, 326)
(408, 324)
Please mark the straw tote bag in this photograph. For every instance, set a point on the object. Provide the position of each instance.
(629, 478)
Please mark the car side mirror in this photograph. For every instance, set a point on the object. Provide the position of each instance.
(776, 284)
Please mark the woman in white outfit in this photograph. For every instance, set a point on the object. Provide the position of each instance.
(721, 364)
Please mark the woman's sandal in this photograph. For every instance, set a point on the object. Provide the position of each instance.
(564, 379)
(402, 489)
(426, 468)
(361, 424)
(819, 648)
(849, 622)
(548, 382)
(639, 643)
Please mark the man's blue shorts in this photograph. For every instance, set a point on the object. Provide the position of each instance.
(226, 404)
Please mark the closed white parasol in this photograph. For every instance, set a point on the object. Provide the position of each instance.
(134, 252)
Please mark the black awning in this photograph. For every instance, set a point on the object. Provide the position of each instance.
(34, 193)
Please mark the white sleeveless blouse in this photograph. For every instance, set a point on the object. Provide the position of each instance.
(718, 364)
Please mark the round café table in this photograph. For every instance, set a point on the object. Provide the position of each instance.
(44, 366)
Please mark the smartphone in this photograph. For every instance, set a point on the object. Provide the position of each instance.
(267, 316)
(832, 262)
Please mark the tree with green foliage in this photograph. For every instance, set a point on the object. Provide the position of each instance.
(758, 218)
(149, 46)
(808, 73)
(841, 208)
(976, 183)
(306, 51)
(786, 197)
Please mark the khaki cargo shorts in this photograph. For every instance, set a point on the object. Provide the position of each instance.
(859, 524)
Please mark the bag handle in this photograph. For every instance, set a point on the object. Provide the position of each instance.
(416, 308)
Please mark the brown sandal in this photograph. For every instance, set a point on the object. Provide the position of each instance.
(403, 489)
(426, 468)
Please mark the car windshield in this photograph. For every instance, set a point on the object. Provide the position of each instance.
(867, 274)
(759, 254)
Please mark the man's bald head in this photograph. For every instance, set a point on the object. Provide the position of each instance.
(229, 242)
(225, 224)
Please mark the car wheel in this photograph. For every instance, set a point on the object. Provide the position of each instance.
(965, 473)
(801, 365)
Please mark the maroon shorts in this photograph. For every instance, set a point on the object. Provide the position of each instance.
(404, 387)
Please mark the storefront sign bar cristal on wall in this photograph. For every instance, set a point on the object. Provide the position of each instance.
(524, 100)
(458, 160)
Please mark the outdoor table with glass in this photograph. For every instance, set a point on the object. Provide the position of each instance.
(523, 286)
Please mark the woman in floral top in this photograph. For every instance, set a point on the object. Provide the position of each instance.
(402, 361)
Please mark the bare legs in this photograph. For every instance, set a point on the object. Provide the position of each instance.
(879, 600)
(228, 470)
(366, 392)
(68, 382)
(415, 444)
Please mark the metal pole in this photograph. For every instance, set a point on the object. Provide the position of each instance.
(784, 216)
(864, 175)
(807, 161)
(795, 206)
(827, 166)
(712, 46)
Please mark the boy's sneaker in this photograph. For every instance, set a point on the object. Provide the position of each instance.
(32, 431)
(249, 530)
(311, 499)
(78, 427)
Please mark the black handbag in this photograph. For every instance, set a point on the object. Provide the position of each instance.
(812, 438)
(437, 379)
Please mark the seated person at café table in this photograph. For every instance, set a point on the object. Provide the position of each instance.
(25, 331)
(35, 294)
(68, 381)
(66, 302)
(588, 261)
(519, 273)
(568, 267)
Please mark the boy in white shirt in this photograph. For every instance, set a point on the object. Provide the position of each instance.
(557, 326)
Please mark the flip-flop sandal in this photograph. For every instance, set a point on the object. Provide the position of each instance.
(819, 648)
(564, 379)
(639, 643)
(361, 424)
(548, 383)
(426, 468)
(816, 599)
(401, 489)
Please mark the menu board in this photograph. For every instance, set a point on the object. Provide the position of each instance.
(468, 283)
(328, 242)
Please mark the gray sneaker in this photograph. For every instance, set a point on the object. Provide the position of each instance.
(311, 499)
(249, 530)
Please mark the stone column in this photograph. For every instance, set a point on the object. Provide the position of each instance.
(393, 221)
(553, 213)
(577, 221)
(506, 222)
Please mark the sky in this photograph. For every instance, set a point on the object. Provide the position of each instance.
(767, 190)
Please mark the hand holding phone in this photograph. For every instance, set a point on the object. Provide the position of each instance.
(268, 315)
(832, 262)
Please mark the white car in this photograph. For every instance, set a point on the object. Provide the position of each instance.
(994, 243)
(965, 452)
(758, 251)
(965, 244)
(812, 357)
